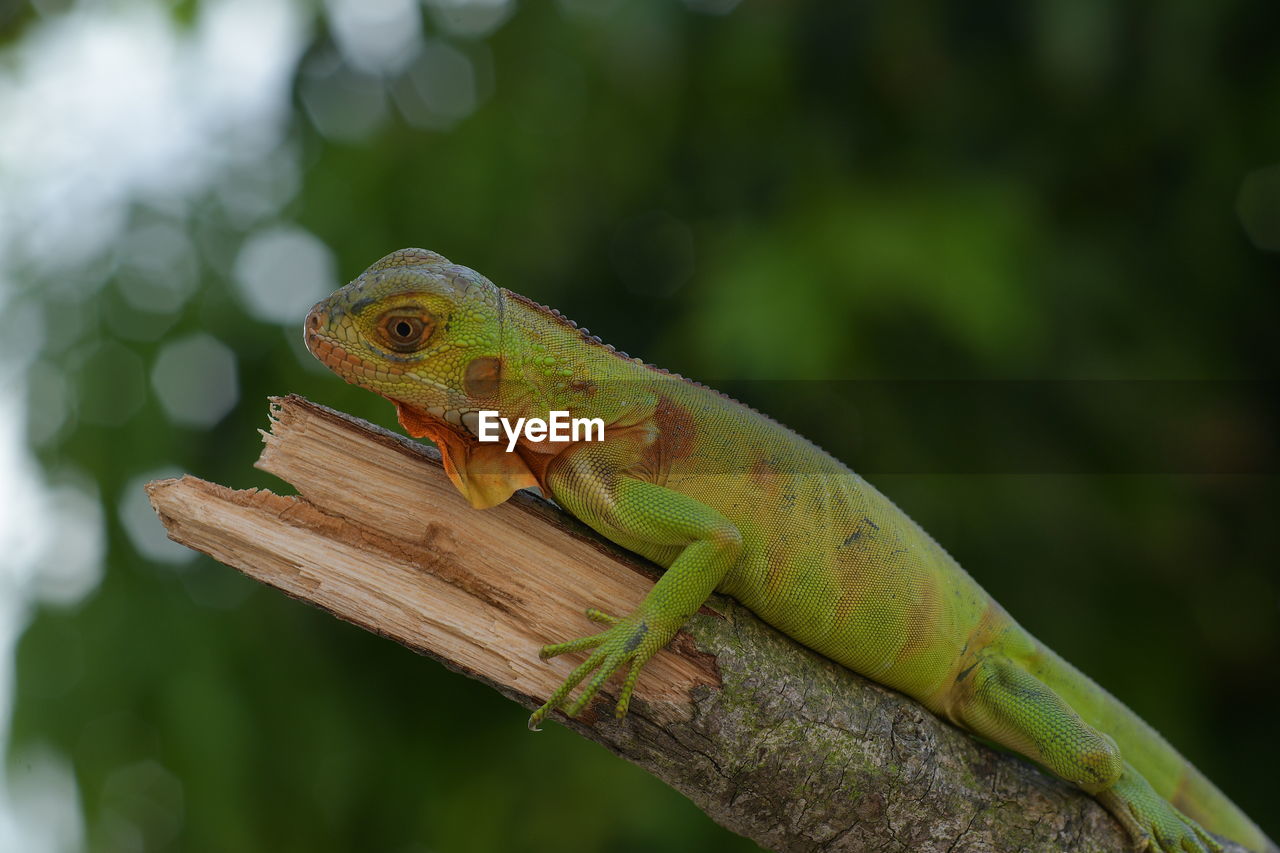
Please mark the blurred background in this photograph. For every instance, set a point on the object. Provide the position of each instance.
(1017, 262)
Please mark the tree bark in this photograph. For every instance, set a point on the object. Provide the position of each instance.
(770, 739)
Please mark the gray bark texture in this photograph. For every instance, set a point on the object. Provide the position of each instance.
(769, 738)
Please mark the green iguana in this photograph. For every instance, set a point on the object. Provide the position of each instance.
(727, 499)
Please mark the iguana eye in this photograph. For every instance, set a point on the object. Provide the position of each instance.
(406, 332)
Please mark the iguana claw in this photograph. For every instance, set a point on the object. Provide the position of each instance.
(623, 645)
(1153, 823)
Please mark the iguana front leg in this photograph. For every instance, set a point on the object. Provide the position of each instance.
(654, 521)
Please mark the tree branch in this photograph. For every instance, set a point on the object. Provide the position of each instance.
(770, 739)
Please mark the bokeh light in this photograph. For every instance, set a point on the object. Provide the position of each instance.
(281, 271)
(146, 533)
(1258, 206)
(195, 380)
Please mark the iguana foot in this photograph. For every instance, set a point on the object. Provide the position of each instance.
(622, 645)
(1152, 822)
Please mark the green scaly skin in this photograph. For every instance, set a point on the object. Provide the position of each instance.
(726, 499)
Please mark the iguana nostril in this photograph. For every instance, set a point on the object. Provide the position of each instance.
(315, 319)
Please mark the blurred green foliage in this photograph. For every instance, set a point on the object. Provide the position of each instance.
(790, 191)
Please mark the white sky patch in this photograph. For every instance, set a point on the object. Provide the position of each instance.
(58, 563)
(70, 565)
(20, 523)
(75, 152)
(376, 36)
(45, 809)
(282, 271)
(106, 106)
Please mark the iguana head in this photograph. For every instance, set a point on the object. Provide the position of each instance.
(416, 329)
(425, 334)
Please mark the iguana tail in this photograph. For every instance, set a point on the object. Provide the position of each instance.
(1171, 775)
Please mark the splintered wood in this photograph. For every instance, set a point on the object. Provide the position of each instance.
(379, 537)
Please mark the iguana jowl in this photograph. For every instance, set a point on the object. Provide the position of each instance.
(727, 499)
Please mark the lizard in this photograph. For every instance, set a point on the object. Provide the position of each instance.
(726, 499)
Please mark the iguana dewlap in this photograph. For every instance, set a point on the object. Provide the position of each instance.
(727, 499)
